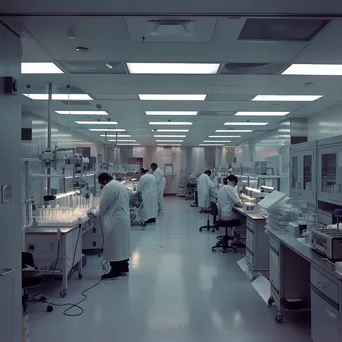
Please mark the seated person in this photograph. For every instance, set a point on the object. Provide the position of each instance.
(227, 197)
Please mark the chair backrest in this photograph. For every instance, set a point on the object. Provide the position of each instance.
(213, 209)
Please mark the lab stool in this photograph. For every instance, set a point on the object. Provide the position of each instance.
(208, 226)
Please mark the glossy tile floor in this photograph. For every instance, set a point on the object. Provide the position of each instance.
(178, 290)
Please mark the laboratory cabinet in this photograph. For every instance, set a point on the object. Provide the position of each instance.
(329, 182)
(303, 172)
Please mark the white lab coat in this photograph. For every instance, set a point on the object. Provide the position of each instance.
(159, 175)
(204, 186)
(116, 222)
(226, 198)
(147, 186)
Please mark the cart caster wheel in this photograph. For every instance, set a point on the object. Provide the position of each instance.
(80, 276)
(279, 318)
(63, 293)
(224, 251)
(270, 302)
(49, 308)
(213, 250)
(200, 229)
(213, 230)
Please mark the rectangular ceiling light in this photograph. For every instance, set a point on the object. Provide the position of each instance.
(40, 68)
(261, 113)
(81, 112)
(172, 97)
(169, 136)
(175, 141)
(216, 141)
(171, 113)
(171, 130)
(224, 136)
(171, 123)
(60, 97)
(122, 140)
(128, 144)
(211, 144)
(114, 136)
(169, 144)
(287, 98)
(246, 123)
(173, 68)
(107, 130)
(314, 69)
(96, 122)
(234, 130)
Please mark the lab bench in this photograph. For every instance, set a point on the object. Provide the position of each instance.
(257, 241)
(47, 244)
(302, 279)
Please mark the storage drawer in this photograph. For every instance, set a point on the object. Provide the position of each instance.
(249, 234)
(274, 270)
(325, 285)
(274, 244)
(249, 257)
(249, 243)
(250, 224)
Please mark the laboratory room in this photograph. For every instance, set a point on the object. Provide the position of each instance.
(170, 171)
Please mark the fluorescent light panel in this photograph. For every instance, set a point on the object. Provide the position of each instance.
(96, 122)
(128, 144)
(122, 140)
(172, 97)
(217, 141)
(171, 123)
(234, 130)
(114, 136)
(60, 97)
(40, 68)
(245, 123)
(169, 144)
(261, 113)
(224, 136)
(175, 141)
(107, 130)
(169, 136)
(173, 68)
(172, 113)
(314, 69)
(81, 112)
(171, 130)
(287, 98)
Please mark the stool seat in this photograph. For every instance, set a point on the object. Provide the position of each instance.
(228, 223)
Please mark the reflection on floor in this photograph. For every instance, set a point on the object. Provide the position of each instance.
(178, 290)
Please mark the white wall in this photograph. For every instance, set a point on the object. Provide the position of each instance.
(10, 213)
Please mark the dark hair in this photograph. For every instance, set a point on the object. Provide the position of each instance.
(208, 172)
(225, 181)
(104, 177)
(233, 178)
(143, 171)
(154, 165)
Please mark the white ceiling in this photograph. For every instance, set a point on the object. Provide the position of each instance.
(116, 40)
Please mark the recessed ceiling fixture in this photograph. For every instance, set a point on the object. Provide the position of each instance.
(245, 123)
(121, 140)
(171, 123)
(173, 68)
(128, 144)
(114, 136)
(224, 136)
(169, 136)
(174, 141)
(40, 68)
(216, 141)
(107, 130)
(261, 113)
(171, 130)
(172, 97)
(60, 97)
(82, 49)
(81, 112)
(234, 130)
(171, 113)
(96, 122)
(314, 69)
(287, 98)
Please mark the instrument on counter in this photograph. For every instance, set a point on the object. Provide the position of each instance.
(327, 242)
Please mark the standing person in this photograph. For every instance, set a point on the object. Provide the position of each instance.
(204, 185)
(147, 186)
(116, 224)
(227, 197)
(159, 175)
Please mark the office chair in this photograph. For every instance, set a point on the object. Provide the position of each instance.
(32, 278)
(223, 240)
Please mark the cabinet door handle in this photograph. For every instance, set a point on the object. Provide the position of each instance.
(6, 271)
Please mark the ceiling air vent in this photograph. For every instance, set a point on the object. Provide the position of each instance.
(172, 27)
(208, 114)
(93, 67)
(253, 68)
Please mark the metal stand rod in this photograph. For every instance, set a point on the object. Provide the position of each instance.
(48, 171)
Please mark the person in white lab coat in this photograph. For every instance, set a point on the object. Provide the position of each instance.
(116, 225)
(227, 197)
(204, 186)
(159, 175)
(147, 187)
